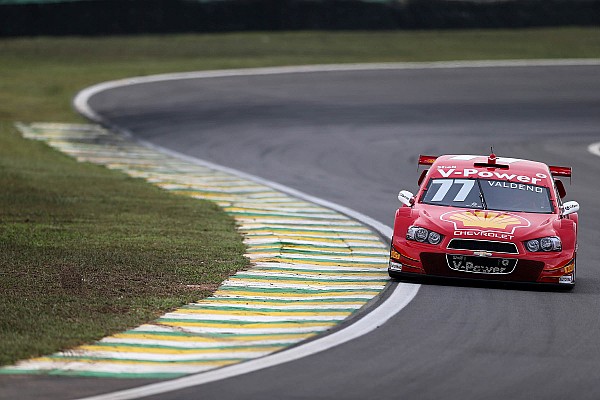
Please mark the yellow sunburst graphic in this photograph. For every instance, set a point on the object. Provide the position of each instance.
(485, 219)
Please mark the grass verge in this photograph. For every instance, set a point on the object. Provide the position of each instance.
(85, 251)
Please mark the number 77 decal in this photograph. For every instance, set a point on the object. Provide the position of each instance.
(446, 184)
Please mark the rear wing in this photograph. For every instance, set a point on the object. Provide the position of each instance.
(560, 171)
(554, 170)
(426, 160)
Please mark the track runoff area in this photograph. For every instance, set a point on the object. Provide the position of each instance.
(312, 269)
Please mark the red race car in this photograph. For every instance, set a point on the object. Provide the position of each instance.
(489, 218)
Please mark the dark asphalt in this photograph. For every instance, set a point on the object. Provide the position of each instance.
(353, 138)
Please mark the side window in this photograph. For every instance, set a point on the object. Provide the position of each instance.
(557, 194)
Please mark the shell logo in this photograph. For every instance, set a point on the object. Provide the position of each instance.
(485, 220)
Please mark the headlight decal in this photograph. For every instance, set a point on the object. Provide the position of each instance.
(423, 235)
(544, 244)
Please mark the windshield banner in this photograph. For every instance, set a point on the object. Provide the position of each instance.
(448, 172)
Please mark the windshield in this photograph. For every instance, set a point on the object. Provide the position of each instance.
(488, 194)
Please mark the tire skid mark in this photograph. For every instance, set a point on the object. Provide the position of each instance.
(311, 269)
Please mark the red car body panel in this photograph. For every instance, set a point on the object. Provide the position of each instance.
(484, 243)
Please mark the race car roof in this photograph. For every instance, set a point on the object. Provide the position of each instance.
(487, 167)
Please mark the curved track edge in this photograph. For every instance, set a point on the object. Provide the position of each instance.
(401, 294)
(399, 297)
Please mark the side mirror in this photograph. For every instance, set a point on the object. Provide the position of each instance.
(406, 198)
(570, 207)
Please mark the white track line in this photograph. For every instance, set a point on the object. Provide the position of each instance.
(81, 100)
(402, 294)
(594, 148)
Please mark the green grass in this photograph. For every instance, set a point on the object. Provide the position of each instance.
(85, 251)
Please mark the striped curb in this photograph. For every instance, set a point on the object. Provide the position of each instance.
(312, 268)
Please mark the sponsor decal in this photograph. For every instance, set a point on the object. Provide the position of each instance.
(517, 186)
(570, 268)
(406, 197)
(569, 205)
(447, 172)
(427, 160)
(395, 266)
(481, 265)
(484, 223)
(394, 254)
(566, 279)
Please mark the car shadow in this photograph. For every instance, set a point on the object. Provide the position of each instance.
(464, 282)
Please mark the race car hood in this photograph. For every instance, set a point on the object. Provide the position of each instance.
(488, 224)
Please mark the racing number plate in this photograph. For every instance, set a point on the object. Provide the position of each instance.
(481, 265)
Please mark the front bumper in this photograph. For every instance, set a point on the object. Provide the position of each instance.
(420, 260)
(500, 284)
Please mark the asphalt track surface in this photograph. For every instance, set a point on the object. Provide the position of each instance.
(353, 138)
